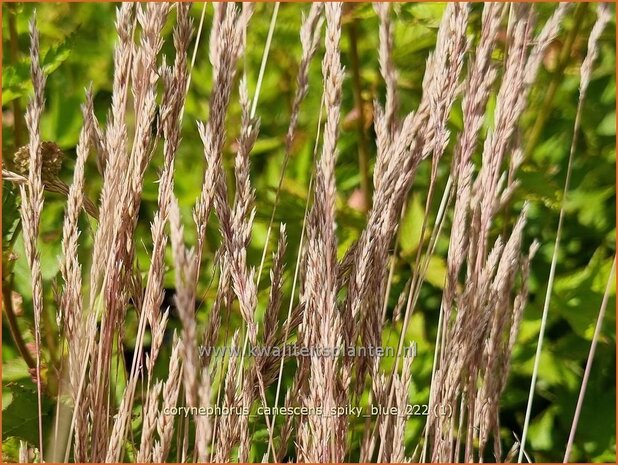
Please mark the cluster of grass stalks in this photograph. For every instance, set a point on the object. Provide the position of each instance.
(335, 301)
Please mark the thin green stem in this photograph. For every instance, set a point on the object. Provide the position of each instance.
(552, 274)
(586, 377)
(269, 38)
(294, 283)
(256, 97)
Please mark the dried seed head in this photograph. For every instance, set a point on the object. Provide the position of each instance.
(51, 156)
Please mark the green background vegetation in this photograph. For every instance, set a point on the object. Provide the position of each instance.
(77, 42)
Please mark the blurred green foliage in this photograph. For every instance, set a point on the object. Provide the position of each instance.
(77, 41)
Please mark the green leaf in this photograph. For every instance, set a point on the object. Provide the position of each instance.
(577, 296)
(411, 226)
(57, 55)
(541, 431)
(436, 272)
(429, 13)
(20, 417)
(15, 82)
(10, 450)
(590, 205)
(607, 127)
(14, 370)
(538, 186)
(10, 213)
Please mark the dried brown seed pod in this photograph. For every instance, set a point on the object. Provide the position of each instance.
(51, 156)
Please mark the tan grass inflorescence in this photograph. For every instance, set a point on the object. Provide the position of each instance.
(342, 299)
